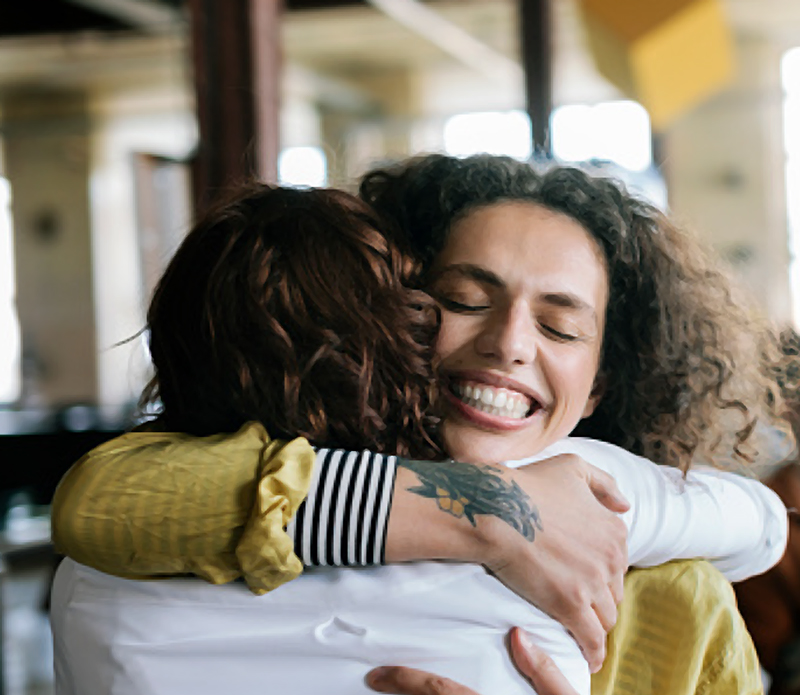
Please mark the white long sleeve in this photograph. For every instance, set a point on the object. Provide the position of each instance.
(737, 523)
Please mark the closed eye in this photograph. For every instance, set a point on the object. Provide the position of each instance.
(460, 307)
(558, 335)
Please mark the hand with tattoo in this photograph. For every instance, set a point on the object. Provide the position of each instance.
(550, 531)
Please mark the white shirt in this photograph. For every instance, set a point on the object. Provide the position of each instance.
(322, 632)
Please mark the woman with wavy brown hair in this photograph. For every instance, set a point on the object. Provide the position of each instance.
(247, 324)
(554, 360)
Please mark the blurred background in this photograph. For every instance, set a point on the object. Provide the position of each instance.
(119, 118)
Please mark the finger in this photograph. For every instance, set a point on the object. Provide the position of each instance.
(537, 666)
(605, 607)
(605, 490)
(616, 586)
(410, 681)
(588, 632)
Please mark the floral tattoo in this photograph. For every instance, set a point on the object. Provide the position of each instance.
(467, 490)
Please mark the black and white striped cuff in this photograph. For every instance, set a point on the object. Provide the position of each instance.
(344, 518)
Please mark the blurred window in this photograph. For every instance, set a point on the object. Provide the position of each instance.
(613, 138)
(790, 75)
(10, 379)
(496, 132)
(302, 166)
(612, 131)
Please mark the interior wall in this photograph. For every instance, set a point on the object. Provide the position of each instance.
(725, 168)
(155, 119)
(47, 138)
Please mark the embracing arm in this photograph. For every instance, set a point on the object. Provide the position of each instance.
(736, 522)
(150, 504)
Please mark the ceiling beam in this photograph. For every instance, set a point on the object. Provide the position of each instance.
(329, 91)
(149, 15)
(450, 38)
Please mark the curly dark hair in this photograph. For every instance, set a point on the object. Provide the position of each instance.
(295, 308)
(688, 368)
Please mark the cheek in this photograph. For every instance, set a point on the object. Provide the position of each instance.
(575, 377)
(454, 336)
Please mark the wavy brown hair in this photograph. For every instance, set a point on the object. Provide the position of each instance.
(688, 369)
(293, 308)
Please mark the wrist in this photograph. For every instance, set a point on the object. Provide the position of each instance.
(426, 527)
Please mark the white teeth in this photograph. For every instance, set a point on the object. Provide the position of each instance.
(486, 399)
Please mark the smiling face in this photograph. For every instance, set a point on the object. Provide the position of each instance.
(523, 292)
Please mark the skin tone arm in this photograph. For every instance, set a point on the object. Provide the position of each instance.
(549, 531)
(531, 661)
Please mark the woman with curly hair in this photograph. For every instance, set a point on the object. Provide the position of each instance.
(527, 349)
(674, 354)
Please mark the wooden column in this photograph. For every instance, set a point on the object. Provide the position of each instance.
(537, 62)
(237, 69)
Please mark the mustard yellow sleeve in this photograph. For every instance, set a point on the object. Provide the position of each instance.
(151, 504)
(679, 632)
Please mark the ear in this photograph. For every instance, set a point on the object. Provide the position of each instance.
(598, 389)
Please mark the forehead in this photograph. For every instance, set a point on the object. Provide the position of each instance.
(520, 235)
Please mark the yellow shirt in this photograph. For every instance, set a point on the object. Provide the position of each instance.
(151, 503)
(678, 630)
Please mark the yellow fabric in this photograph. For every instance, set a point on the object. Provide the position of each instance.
(116, 509)
(679, 633)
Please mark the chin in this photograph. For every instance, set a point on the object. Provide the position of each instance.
(476, 446)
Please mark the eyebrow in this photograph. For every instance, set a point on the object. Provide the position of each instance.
(474, 272)
(566, 300)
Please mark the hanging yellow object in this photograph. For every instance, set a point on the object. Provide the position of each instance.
(667, 54)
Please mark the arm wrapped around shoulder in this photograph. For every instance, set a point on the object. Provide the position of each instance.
(736, 522)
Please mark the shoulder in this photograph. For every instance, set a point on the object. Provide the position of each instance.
(679, 632)
(696, 583)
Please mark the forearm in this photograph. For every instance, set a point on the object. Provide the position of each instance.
(735, 522)
(449, 510)
(367, 509)
(419, 530)
(149, 504)
(154, 504)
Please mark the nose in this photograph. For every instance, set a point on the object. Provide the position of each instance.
(509, 336)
